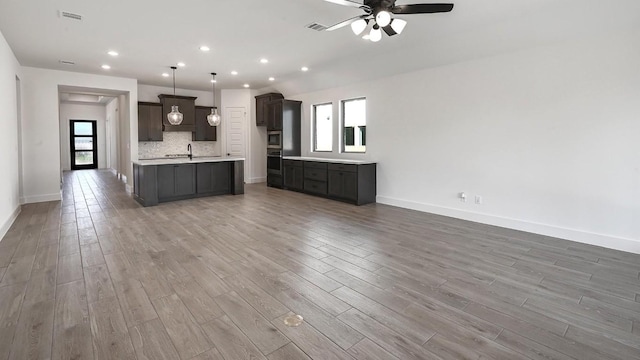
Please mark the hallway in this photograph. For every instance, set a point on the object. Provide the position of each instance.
(97, 276)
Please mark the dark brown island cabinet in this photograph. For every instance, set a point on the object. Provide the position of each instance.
(262, 108)
(186, 105)
(149, 121)
(159, 181)
(353, 182)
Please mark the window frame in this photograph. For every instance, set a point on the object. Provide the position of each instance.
(356, 129)
(314, 135)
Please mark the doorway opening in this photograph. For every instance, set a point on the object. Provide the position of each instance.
(83, 144)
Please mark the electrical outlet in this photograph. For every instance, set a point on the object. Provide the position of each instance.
(478, 199)
(462, 196)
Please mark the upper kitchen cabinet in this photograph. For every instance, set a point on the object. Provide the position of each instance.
(203, 131)
(262, 111)
(283, 114)
(186, 105)
(149, 121)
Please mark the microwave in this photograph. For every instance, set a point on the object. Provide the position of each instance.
(274, 139)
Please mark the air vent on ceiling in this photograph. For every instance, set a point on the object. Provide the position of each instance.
(66, 62)
(70, 15)
(316, 27)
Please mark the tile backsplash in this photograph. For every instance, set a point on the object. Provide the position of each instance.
(175, 142)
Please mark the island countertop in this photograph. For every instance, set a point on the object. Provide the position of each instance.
(337, 161)
(185, 160)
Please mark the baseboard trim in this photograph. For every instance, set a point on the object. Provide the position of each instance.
(256, 180)
(42, 198)
(581, 236)
(7, 224)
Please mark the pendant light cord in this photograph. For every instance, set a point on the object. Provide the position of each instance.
(213, 88)
(174, 80)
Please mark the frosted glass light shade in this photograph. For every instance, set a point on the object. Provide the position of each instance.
(358, 26)
(214, 119)
(398, 25)
(383, 18)
(175, 116)
(375, 35)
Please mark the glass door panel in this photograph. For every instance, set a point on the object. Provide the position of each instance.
(84, 154)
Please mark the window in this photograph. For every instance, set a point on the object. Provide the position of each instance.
(354, 122)
(323, 127)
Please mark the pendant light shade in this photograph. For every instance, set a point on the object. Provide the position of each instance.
(214, 119)
(383, 18)
(175, 116)
(376, 34)
(398, 25)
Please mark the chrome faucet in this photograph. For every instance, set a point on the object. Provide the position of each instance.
(190, 152)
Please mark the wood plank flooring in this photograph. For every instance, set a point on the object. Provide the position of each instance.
(96, 276)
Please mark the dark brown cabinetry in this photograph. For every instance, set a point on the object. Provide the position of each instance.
(274, 115)
(343, 181)
(149, 121)
(213, 178)
(293, 175)
(315, 177)
(176, 181)
(203, 131)
(262, 111)
(186, 105)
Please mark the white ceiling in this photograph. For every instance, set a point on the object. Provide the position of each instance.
(153, 35)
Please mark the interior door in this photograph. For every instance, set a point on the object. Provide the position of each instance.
(235, 120)
(84, 144)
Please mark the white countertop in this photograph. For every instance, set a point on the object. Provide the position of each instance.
(185, 160)
(337, 161)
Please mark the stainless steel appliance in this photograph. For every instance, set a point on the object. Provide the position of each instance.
(274, 140)
(274, 162)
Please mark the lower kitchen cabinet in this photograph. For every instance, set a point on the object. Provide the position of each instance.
(213, 178)
(176, 181)
(343, 184)
(293, 175)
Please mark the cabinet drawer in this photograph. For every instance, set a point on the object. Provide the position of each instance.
(316, 187)
(343, 167)
(296, 163)
(315, 174)
(315, 165)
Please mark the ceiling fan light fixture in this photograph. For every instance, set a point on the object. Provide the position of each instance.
(359, 26)
(383, 18)
(376, 34)
(398, 25)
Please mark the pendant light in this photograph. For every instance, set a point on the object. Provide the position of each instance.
(213, 119)
(175, 116)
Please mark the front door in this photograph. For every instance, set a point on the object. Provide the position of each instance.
(84, 144)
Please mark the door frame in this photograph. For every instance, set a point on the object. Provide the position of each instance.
(72, 144)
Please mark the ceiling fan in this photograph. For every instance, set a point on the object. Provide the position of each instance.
(381, 13)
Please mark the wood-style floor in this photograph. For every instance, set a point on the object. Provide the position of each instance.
(96, 276)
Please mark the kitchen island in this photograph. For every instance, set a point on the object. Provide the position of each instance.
(170, 179)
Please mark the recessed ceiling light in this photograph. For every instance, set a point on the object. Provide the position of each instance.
(165, 74)
(272, 79)
(366, 37)
(304, 68)
(106, 67)
(246, 85)
(234, 72)
(181, 64)
(264, 61)
(113, 53)
(204, 48)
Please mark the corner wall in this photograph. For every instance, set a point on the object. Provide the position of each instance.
(41, 140)
(548, 137)
(9, 143)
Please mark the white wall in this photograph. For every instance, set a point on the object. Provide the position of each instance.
(112, 119)
(9, 144)
(548, 137)
(95, 112)
(41, 141)
(258, 139)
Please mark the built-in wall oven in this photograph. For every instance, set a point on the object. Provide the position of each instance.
(274, 162)
(274, 140)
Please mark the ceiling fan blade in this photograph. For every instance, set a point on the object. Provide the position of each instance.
(346, 3)
(421, 8)
(345, 23)
(389, 30)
